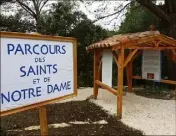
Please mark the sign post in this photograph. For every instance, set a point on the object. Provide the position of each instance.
(43, 121)
(36, 70)
(43, 118)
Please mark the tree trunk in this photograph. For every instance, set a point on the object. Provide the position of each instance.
(38, 25)
(167, 14)
(170, 30)
(171, 64)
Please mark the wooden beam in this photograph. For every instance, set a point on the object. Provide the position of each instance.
(43, 121)
(108, 88)
(158, 43)
(120, 83)
(129, 57)
(148, 44)
(162, 80)
(145, 48)
(136, 77)
(115, 57)
(157, 48)
(167, 41)
(169, 82)
(134, 43)
(137, 44)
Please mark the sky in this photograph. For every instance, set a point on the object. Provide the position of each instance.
(94, 9)
(112, 6)
(113, 22)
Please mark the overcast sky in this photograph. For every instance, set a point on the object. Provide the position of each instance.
(110, 22)
(111, 6)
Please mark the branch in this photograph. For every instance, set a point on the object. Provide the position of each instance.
(155, 9)
(113, 19)
(112, 13)
(35, 6)
(44, 3)
(39, 2)
(25, 7)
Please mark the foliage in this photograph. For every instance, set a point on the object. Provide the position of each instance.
(15, 24)
(2, 133)
(137, 19)
(63, 20)
(30, 9)
(4, 1)
(86, 33)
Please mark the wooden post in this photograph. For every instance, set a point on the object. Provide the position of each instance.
(95, 68)
(43, 118)
(43, 121)
(99, 70)
(120, 83)
(129, 76)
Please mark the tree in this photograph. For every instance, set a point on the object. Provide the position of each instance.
(86, 33)
(4, 1)
(137, 19)
(16, 23)
(63, 20)
(32, 8)
(166, 13)
(66, 22)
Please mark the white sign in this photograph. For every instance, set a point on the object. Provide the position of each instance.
(35, 71)
(107, 67)
(151, 65)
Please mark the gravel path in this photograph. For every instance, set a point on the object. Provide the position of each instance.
(152, 116)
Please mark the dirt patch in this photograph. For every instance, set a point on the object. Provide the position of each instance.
(64, 113)
(156, 93)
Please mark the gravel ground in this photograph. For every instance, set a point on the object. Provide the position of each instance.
(152, 116)
(75, 118)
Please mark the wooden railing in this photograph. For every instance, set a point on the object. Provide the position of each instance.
(162, 80)
(108, 88)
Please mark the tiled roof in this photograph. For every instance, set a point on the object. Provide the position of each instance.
(123, 39)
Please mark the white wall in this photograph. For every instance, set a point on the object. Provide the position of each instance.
(107, 60)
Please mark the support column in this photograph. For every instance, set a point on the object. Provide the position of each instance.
(120, 83)
(95, 68)
(99, 70)
(129, 74)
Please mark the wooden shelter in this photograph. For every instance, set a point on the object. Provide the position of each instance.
(135, 43)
